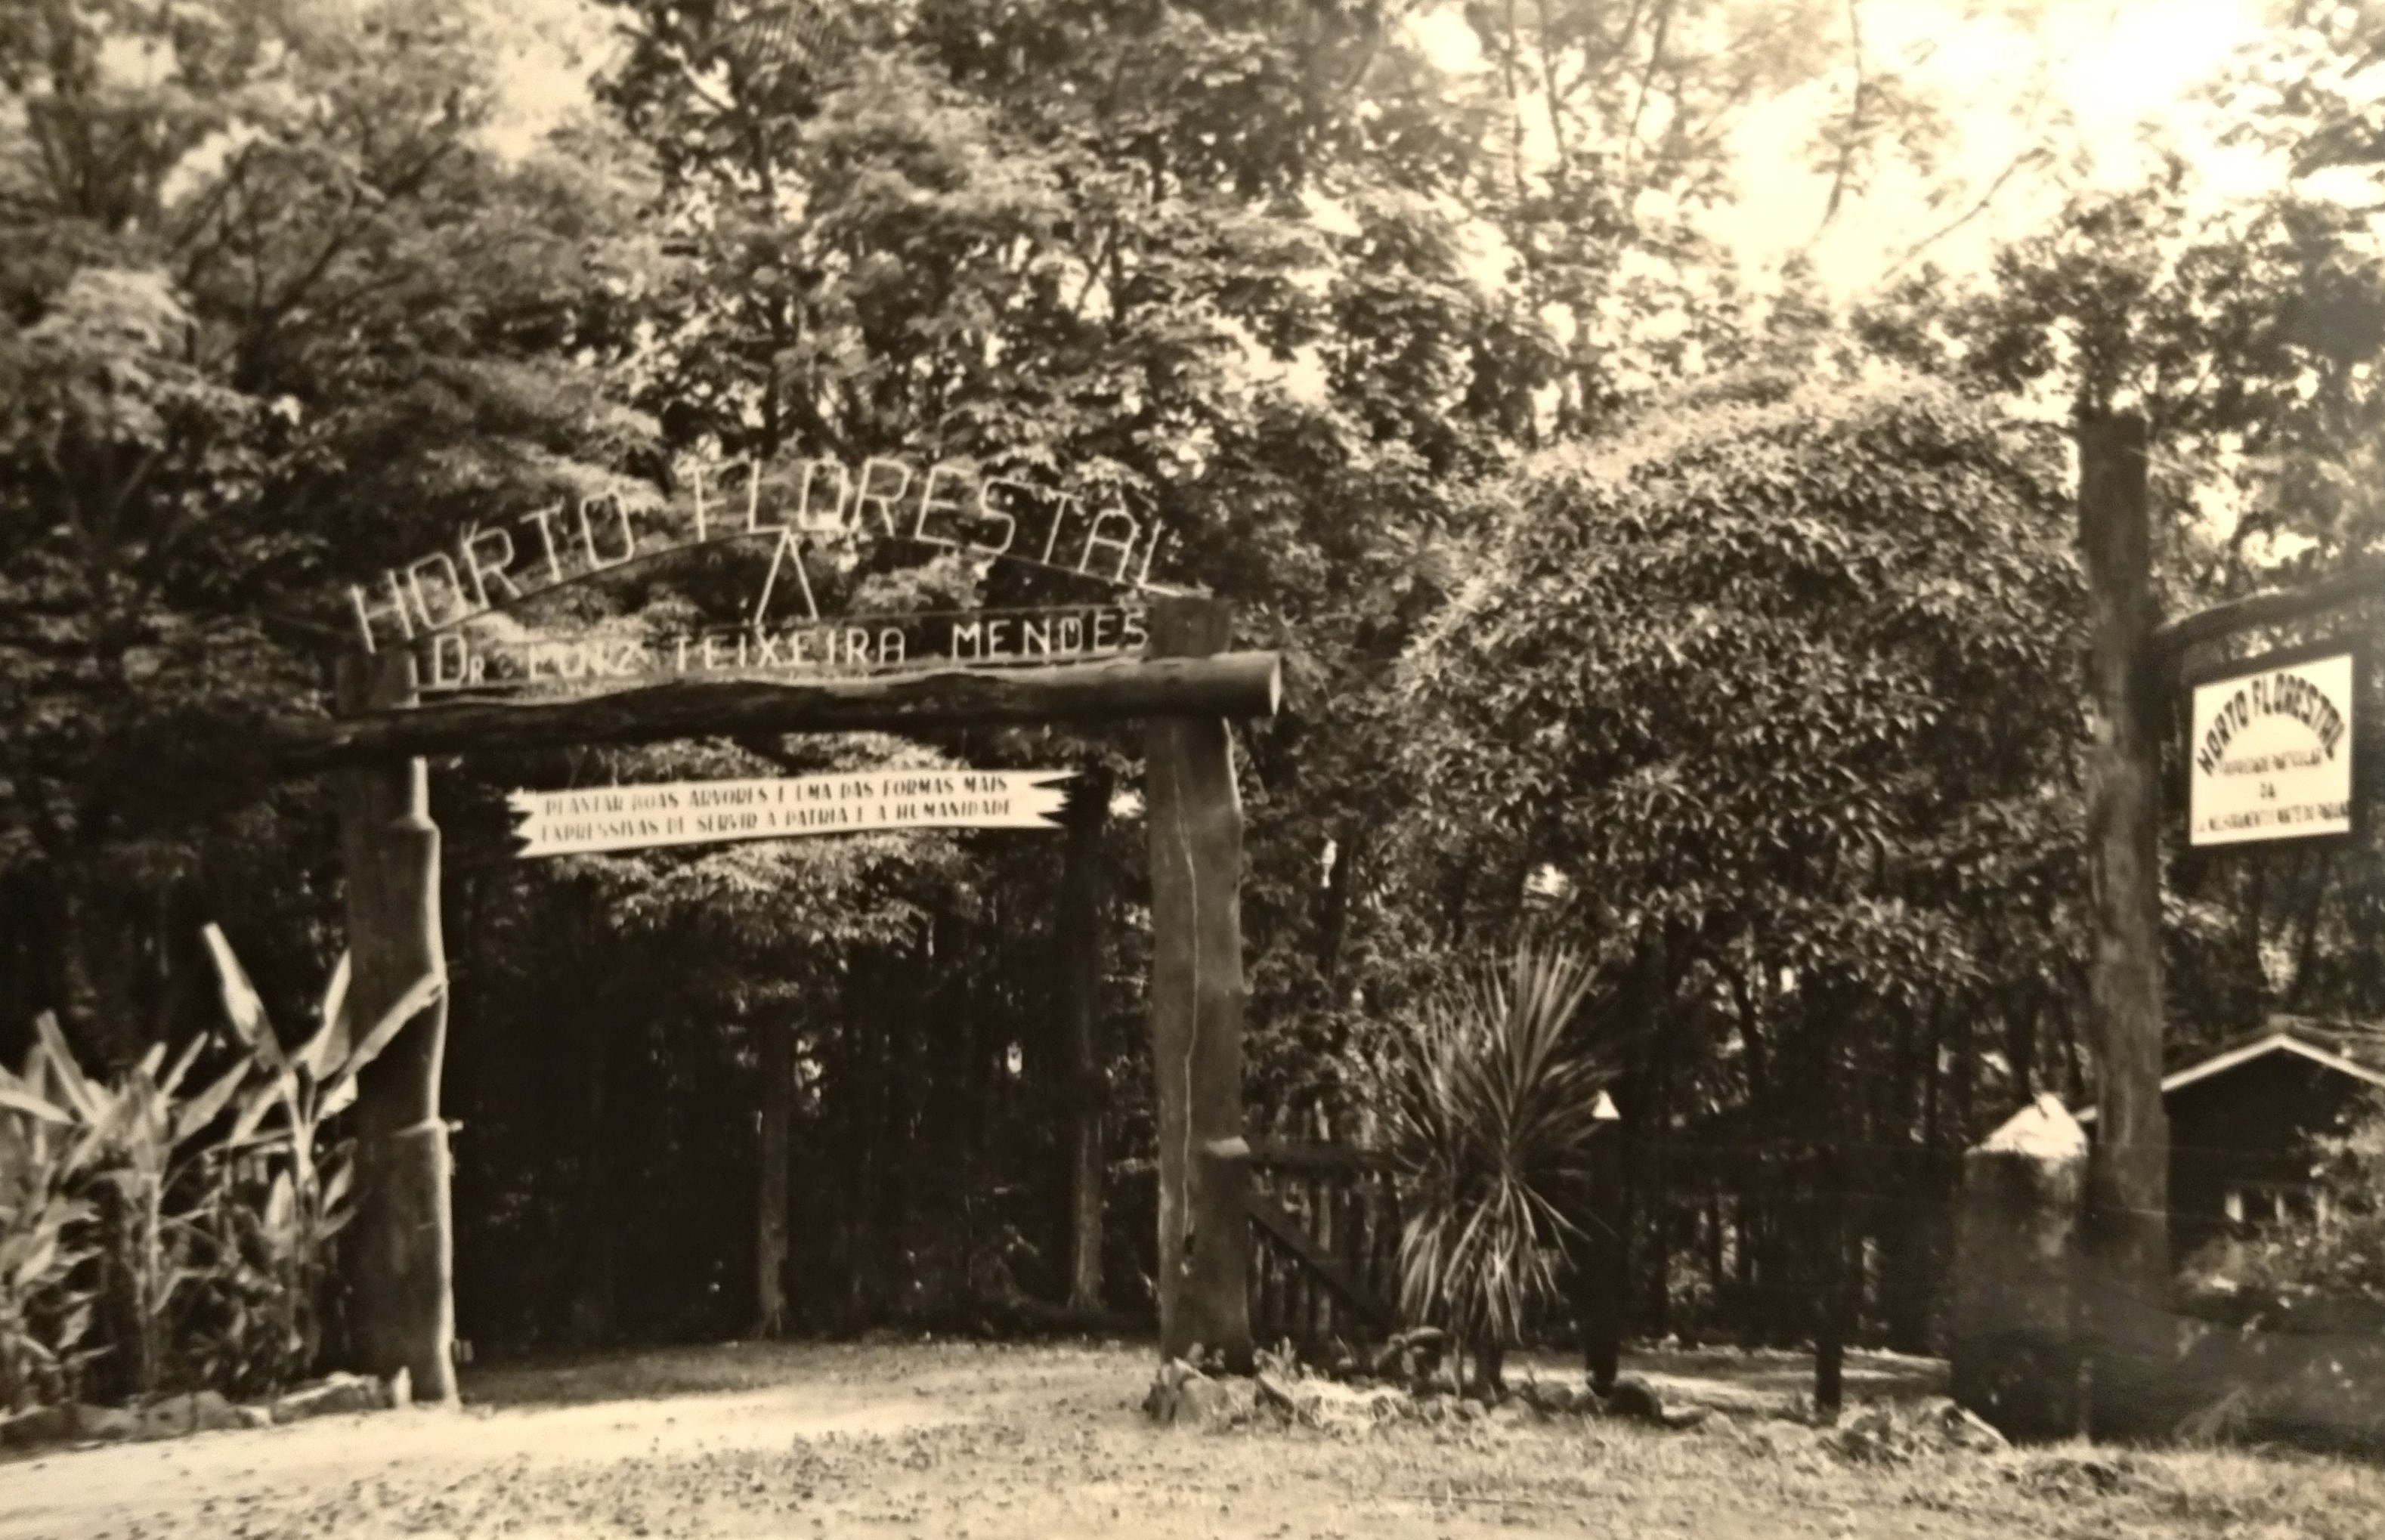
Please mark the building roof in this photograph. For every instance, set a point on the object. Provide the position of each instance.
(2330, 1047)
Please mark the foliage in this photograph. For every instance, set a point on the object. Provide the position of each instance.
(275, 307)
(1780, 689)
(1798, 663)
(113, 1194)
(1490, 1098)
(281, 1194)
(44, 1239)
(2337, 1247)
(2242, 316)
(188, 1231)
(141, 1180)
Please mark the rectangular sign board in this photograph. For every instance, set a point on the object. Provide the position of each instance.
(2270, 753)
(774, 807)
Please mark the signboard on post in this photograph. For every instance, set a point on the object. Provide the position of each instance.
(2270, 752)
(775, 808)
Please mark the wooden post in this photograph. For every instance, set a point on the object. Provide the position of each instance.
(1083, 951)
(1599, 1278)
(398, 1253)
(1195, 824)
(2127, 1262)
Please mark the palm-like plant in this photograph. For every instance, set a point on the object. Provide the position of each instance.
(122, 1156)
(44, 1236)
(1490, 1103)
(282, 1237)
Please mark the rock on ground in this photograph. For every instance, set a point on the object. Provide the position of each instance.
(1183, 1397)
(342, 1393)
(199, 1411)
(70, 1420)
(1889, 1432)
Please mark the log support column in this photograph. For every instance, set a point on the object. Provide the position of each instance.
(2126, 1285)
(1195, 825)
(398, 1255)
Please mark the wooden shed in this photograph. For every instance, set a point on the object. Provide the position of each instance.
(2241, 1119)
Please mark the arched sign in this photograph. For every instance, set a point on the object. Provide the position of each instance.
(443, 623)
(813, 510)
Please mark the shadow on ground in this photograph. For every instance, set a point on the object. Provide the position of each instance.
(585, 1379)
(1764, 1380)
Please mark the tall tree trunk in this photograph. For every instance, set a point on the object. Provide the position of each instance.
(2306, 949)
(2020, 1050)
(592, 1302)
(2249, 931)
(2129, 1168)
(1083, 954)
(770, 1200)
(1717, 1279)
(1909, 1227)
(1829, 1324)
(98, 1015)
(865, 1221)
(1746, 1306)
(1599, 1278)
(1833, 1110)
(1655, 1175)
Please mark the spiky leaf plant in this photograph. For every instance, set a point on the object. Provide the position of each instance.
(1490, 1098)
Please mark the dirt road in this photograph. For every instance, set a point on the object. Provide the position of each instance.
(958, 1441)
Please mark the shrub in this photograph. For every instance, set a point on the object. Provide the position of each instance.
(153, 1239)
(283, 1193)
(1490, 1095)
(2294, 1341)
(45, 1234)
(2338, 1247)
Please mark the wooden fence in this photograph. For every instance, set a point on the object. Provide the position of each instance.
(1327, 1222)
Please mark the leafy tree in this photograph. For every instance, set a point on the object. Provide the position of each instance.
(274, 311)
(2247, 326)
(1779, 688)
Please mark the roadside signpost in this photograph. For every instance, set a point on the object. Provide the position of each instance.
(2269, 758)
(2269, 750)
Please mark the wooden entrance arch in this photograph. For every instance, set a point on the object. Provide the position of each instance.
(1186, 688)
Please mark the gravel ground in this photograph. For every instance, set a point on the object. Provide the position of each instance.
(959, 1440)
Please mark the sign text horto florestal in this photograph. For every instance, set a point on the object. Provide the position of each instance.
(2271, 752)
(946, 505)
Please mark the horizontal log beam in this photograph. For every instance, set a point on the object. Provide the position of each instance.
(1295, 1154)
(1230, 684)
(2274, 607)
